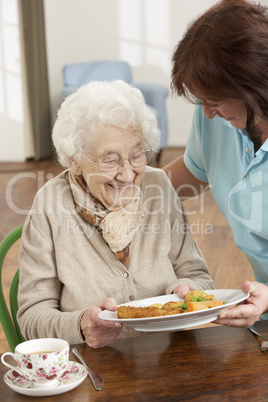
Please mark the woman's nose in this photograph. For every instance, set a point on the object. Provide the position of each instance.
(126, 171)
(209, 111)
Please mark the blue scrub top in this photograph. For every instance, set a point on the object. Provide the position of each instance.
(224, 157)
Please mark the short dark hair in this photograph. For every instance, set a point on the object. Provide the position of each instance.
(224, 54)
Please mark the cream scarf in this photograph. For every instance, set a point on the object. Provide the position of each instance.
(117, 227)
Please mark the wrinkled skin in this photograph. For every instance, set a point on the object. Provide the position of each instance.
(182, 290)
(246, 313)
(99, 333)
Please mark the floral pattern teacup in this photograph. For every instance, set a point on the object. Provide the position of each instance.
(41, 361)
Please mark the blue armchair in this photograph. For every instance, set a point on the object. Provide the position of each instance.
(77, 74)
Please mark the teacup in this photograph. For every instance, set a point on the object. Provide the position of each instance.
(41, 361)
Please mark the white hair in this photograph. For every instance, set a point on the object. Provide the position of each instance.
(96, 105)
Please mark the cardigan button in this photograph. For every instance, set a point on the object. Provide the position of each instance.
(126, 275)
(131, 298)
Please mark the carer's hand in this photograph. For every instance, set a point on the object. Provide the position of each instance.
(248, 312)
(97, 332)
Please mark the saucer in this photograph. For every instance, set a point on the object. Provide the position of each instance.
(73, 375)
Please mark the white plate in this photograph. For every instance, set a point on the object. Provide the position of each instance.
(177, 321)
(74, 374)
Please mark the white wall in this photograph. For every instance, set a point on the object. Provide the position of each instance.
(11, 93)
(142, 32)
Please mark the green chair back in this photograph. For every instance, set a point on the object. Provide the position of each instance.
(9, 321)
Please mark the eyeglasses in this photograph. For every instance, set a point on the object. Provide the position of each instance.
(113, 161)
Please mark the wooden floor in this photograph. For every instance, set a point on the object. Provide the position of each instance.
(20, 181)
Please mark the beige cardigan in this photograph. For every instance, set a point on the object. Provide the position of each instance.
(66, 266)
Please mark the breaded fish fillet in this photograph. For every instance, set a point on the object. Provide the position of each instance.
(145, 312)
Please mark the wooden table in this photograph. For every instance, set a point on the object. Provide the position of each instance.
(212, 364)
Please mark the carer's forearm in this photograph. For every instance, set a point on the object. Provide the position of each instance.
(185, 184)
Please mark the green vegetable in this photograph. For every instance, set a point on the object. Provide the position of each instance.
(196, 299)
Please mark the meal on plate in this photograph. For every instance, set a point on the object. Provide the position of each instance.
(193, 301)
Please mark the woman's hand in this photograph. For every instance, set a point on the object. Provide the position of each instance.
(97, 332)
(248, 312)
(182, 290)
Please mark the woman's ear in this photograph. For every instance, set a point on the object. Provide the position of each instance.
(75, 168)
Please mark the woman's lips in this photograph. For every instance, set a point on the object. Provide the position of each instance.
(121, 187)
(224, 117)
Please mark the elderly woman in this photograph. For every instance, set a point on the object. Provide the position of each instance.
(107, 230)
